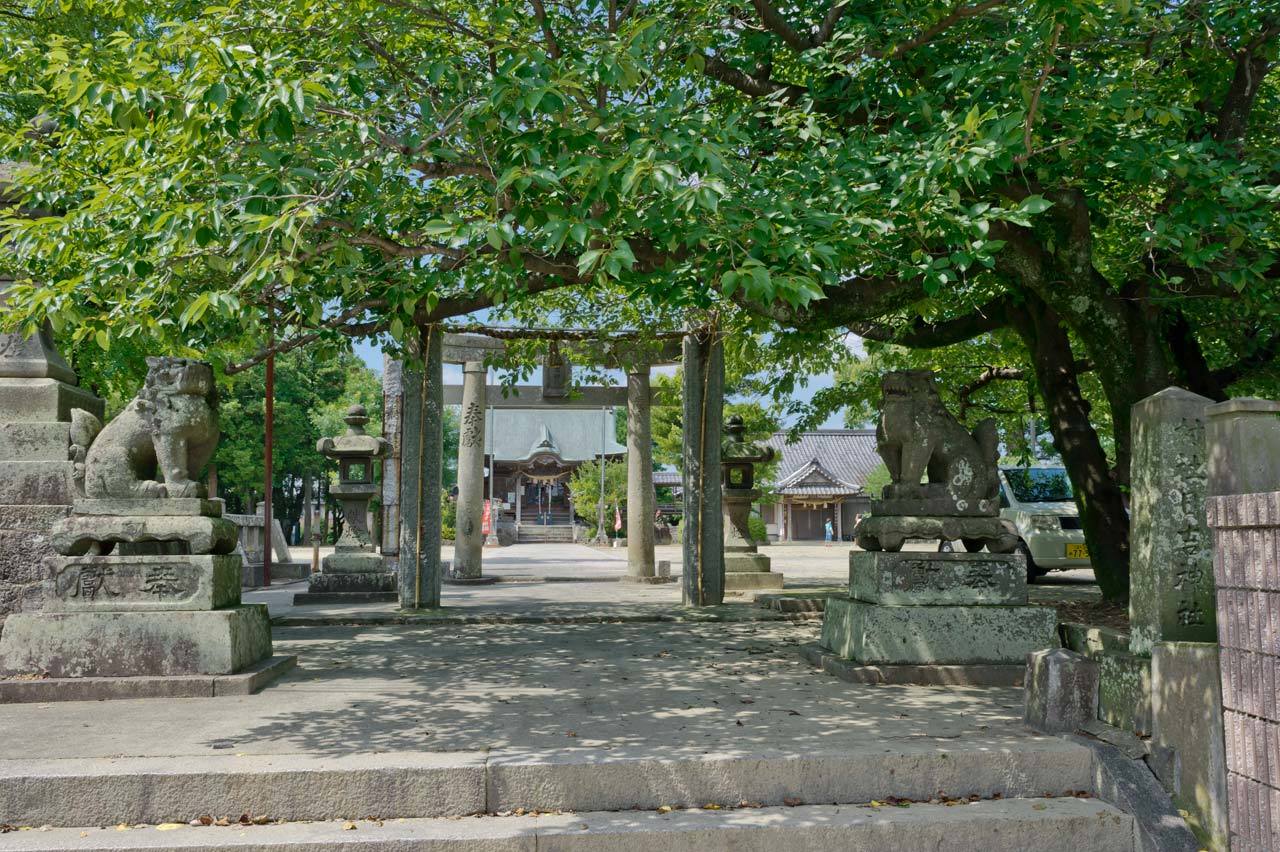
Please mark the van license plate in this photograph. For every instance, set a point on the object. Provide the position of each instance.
(1077, 551)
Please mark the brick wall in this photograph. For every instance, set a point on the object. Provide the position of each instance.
(1246, 564)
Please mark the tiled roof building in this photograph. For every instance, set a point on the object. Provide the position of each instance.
(822, 477)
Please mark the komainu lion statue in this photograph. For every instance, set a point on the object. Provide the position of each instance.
(163, 437)
(917, 436)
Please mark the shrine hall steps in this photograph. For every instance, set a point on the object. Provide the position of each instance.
(544, 534)
(1006, 825)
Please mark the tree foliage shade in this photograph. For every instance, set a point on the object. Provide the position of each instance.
(1098, 179)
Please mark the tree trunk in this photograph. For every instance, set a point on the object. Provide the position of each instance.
(1102, 512)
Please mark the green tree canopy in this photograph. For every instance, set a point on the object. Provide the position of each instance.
(313, 390)
(584, 488)
(1099, 178)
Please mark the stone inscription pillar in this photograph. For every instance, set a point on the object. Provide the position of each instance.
(703, 571)
(1243, 510)
(392, 414)
(1171, 578)
(469, 543)
(640, 496)
(421, 463)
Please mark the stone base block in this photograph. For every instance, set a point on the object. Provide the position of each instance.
(918, 578)
(1092, 641)
(246, 682)
(747, 581)
(1186, 717)
(468, 581)
(352, 562)
(252, 575)
(379, 581)
(742, 561)
(42, 400)
(1061, 691)
(291, 570)
(948, 635)
(36, 482)
(141, 583)
(325, 583)
(920, 675)
(319, 598)
(24, 544)
(1124, 692)
(129, 644)
(35, 441)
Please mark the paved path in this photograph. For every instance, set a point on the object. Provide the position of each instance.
(686, 688)
(573, 581)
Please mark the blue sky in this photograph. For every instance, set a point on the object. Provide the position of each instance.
(371, 352)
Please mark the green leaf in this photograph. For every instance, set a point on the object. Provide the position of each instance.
(1034, 204)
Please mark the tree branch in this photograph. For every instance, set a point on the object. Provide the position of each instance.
(1237, 105)
(386, 245)
(833, 16)
(851, 301)
(774, 21)
(540, 15)
(922, 334)
(959, 13)
(403, 70)
(719, 70)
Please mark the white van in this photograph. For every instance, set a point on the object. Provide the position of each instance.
(1039, 502)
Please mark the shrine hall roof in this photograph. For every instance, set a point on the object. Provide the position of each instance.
(570, 434)
(825, 461)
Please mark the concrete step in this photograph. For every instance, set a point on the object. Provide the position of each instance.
(73, 792)
(539, 534)
(1005, 825)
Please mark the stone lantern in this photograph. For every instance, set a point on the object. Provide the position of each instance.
(354, 571)
(745, 567)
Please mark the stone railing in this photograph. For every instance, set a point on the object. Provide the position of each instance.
(253, 543)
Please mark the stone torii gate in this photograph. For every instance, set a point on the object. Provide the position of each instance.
(414, 404)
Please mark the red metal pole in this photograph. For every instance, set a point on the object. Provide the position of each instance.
(266, 454)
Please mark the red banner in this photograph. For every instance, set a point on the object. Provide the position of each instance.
(484, 519)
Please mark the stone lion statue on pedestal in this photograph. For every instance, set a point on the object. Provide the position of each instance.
(917, 437)
(163, 437)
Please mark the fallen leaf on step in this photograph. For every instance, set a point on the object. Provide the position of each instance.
(348, 826)
(169, 826)
(662, 809)
(792, 802)
(124, 826)
(709, 806)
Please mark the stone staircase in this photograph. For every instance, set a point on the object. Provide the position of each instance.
(992, 795)
(544, 533)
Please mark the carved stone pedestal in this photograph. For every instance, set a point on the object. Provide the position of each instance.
(137, 596)
(920, 609)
